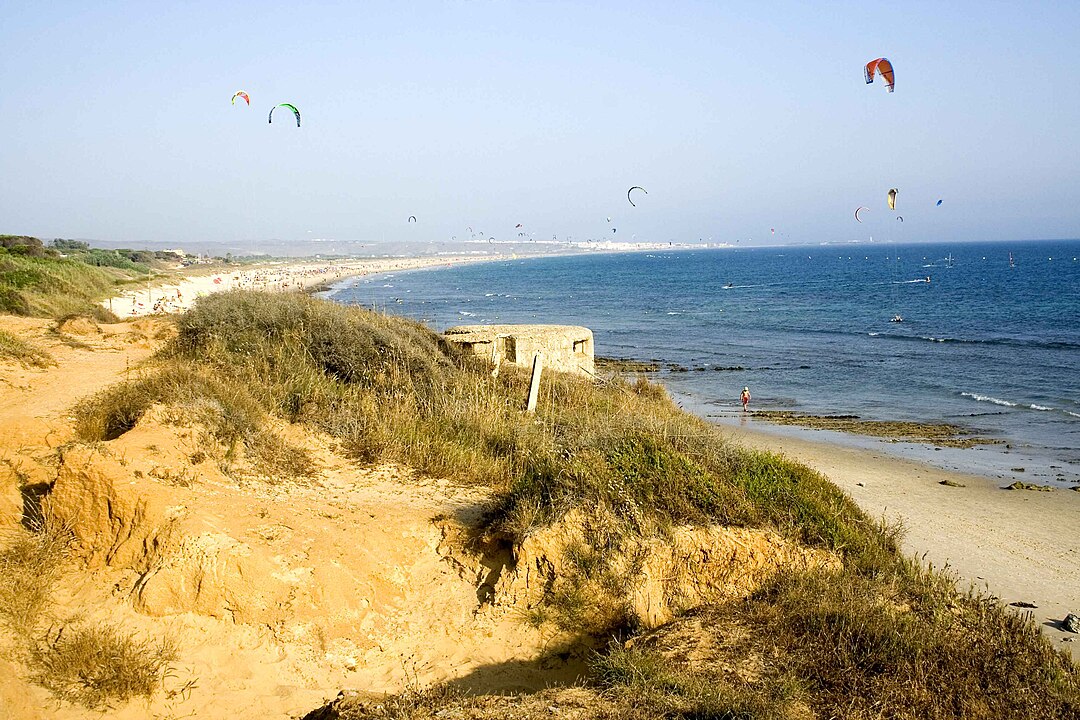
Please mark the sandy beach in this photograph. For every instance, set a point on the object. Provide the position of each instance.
(181, 293)
(1018, 545)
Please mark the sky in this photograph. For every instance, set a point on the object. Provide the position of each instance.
(744, 122)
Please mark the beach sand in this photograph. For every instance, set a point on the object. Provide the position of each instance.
(182, 292)
(1018, 545)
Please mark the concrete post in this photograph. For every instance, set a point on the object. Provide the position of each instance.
(496, 356)
(534, 384)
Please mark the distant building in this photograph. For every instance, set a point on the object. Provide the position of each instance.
(567, 348)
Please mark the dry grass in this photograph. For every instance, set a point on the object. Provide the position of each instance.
(900, 644)
(17, 349)
(96, 666)
(91, 665)
(226, 407)
(649, 679)
(30, 565)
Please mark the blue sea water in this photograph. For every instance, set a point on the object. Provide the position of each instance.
(990, 337)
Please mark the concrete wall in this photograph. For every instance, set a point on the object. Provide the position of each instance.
(568, 348)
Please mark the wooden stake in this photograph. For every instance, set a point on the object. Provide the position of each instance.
(534, 384)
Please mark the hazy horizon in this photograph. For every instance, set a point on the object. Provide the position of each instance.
(751, 126)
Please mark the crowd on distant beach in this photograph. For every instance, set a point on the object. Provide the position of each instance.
(181, 295)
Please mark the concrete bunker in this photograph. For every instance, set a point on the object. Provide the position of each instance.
(566, 348)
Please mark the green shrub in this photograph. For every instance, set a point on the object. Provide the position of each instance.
(111, 258)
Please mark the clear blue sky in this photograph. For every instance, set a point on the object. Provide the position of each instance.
(115, 122)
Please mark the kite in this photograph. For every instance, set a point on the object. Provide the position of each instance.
(900, 218)
(858, 210)
(241, 94)
(884, 68)
(296, 112)
(938, 203)
(412, 218)
(636, 187)
(892, 198)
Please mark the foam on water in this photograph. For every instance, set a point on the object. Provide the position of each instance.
(987, 398)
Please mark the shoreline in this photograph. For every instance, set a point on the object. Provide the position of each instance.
(1014, 544)
(179, 294)
(994, 458)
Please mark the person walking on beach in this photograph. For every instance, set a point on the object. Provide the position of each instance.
(745, 398)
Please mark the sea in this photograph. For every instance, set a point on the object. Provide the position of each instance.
(988, 336)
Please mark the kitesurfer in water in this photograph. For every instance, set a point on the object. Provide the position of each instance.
(745, 398)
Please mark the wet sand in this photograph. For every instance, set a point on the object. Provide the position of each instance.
(942, 434)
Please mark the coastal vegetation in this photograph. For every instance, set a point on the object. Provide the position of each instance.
(37, 281)
(69, 277)
(98, 665)
(877, 635)
(30, 564)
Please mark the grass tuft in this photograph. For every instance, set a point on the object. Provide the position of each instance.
(646, 678)
(95, 666)
(901, 643)
(22, 351)
(30, 564)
